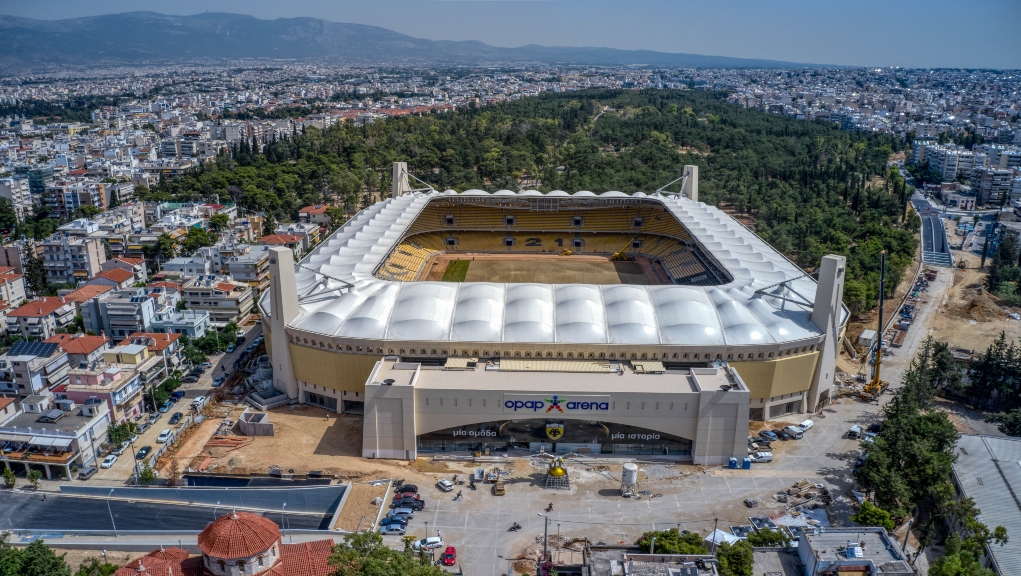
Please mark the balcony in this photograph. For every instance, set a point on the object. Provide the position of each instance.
(41, 456)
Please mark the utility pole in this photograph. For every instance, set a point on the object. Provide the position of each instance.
(907, 533)
(716, 523)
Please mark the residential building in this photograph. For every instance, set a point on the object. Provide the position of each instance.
(116, 380)
(69, 260)
(31, 368)
(191, 323)
(291, 241)
(65, 197)
(308, 232)
(222, 298)
(992, 184)
(315, 214)
(187, 267)
(56, 434)
(84, 294)
(119, 313)
(80, 348)
(40, 318)
(861, 550)
(166, 347)
(16, 190)
(251, 268)
(12, 286)
(136, 266)
(114, 278)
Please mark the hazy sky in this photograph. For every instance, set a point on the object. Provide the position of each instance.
(909, 33)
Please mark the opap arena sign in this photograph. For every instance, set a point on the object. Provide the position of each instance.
(554, 404)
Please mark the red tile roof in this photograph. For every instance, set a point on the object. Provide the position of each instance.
(279, 239)
(5, 402)
(167, 285)
(6, 269)
(308, 559)
(238, 535)
(163, 562)
(132, 261)
(225, 286)
(118, 275)
(155, 341)
(87, 292)
(318, 209)
(78, 344)
(39, 307)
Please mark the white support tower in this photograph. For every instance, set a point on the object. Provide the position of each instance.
(826, 313)
(400, 186)
(690, 185)
(283, 309)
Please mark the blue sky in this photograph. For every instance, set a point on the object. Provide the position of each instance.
(909, 33)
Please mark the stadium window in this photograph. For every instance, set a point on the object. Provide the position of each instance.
(329, 346)
(685, 355)
(637, 222)
(577, 221)
(402, 350)
(508, 220)
(696, 356)
(570, 354)
(760, 354)
(634, 356)
(422, 350)
(578, 242)
(517, 354)
(450, 241)
(636, 244)
(549, 354)
(434, 352)
(560, 354)
(740, 356)
(528, 354)
(770, 354)
(450, 219)
(591, 355)
(359, 348)
(509, 241)
(306, 340)
(485, 352)
(612, 355)
(444, 352)
(602, 355)
(475, 352)
(322, 344)
(719, 356)
(349, 349)
(389, 350)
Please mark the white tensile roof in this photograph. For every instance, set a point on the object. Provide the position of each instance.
(339, 296)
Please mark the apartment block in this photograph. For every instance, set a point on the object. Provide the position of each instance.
(31, 368)
(119, 313)
(40, 318)
(69, 260)
(224, 299)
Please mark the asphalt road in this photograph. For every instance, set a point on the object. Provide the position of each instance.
(222, 365)
(21, 510)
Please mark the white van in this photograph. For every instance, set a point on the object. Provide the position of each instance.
(854, 432)
(165, 435)
(795, 432)
(806, 425)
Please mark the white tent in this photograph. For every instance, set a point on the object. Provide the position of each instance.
(719, 537)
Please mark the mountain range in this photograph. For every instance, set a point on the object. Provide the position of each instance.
(151, 38)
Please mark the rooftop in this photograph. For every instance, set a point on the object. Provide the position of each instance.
(850, 544)
(39, 307)
(29, 423)
(988, 471)
(86, 293)
(78, 344)
(155, 341)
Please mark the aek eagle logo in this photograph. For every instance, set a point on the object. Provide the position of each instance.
(554, 402)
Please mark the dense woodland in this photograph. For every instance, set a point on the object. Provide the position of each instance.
(807, 186)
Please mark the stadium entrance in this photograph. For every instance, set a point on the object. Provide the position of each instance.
(584, 437)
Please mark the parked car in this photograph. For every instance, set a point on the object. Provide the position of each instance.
(87, 472)
(806, 425)
(164, 435)
(109, 461)
(854, 432)
(449, 556)
(408, 503)
(143, 452)
(869, 438)
(794, 432)
(761, 457)
(176, 395)
(190, 379)
(397, 528)
(388, 521)
(430, 543)
(176, 417)
(240, 332)
(205, 365)
(445, 485)
(198, 401)
(154, 417)
(120, 448)
(230, 349)
(142, 428)
(398, 495)
(166, 406)
(409, 488)
(239, 341)
(782, 434)
(405, 513)
(876, 427)
(769, 435)
(219, 380)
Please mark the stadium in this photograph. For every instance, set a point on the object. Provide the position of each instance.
(597, 323)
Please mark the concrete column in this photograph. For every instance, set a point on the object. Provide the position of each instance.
(829, 295)
(399, 186)
(690, 187)
(49, 474)
(283, 308)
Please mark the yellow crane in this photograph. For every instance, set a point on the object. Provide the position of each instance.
(622, 254)
(877, 386)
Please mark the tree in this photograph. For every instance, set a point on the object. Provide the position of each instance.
(10, 480)
(769, 538)
(337, 216)
(94, 567)
(673, 542)
(174, 473)
(8, 217)
(87, 211)
(956, 561)
(364, 554)
(35, 273)
(1009, 422)
(119, 433)
(872, 515)
(37, 559)
(147, 476)
(163, 249)
(33, 478)
(197, 238)
(735, 559)
(219, 222)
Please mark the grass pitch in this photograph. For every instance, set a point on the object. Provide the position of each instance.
(457, 271)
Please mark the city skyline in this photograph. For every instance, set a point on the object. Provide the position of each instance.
(874, 34)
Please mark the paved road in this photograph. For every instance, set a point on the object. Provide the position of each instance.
(935, 249)
(21, 510)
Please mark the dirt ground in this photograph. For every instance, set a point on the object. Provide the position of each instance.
(546, 268)
(971, 318)
(75, 558)
(870, 321)
(359, 512)
(309, 438)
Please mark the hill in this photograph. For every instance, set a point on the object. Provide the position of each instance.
(151, 38)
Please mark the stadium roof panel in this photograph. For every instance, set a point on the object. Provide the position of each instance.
(340, 296)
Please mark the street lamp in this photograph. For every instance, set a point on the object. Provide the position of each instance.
(545, 537)
(282, 515)
(214, 509)
(134, 456)
(109, 509)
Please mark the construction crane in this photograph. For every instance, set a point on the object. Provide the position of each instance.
(877, 386)
(622, 255)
